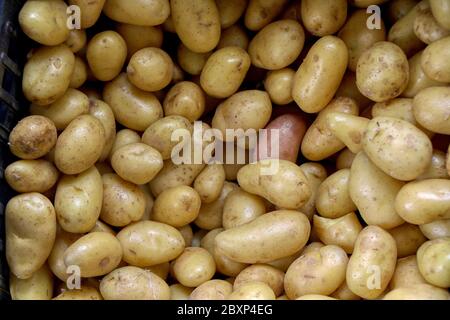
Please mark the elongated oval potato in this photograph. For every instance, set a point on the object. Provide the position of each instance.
(90, 11)
(80, 73)
(141, 12)
(397, 147)
(323, 17)
(230, 11)
(194, 267)
(103, 112)
(277, 45)
(417, 292)
(80, 145)
(315, 174)
(320, 74)
(406, 273)
(132, 283)
(433, 259)
(435, 60)
(209, 183)
(56, 258)
(348, 128)
(132, 107)
(38, 287)
(267, 274)
(30, 225)
(78, 201)
(441, 12)
(431, 109)
(185, 99)
(224, 72)
(241, 207)
(254, 290)
(31, 175)
(212, 290)
(408, 238)
(281, 182)
(47, 74)
(96, 254)
(320, 271)
(427, 29)
(256, 242)
(140, 37)
(436, 229)
(261, 13)
(234, 36)
(278, 84)
(374, 193)
(372, 263)
(319, 142)
(148, 243)
(197, 23)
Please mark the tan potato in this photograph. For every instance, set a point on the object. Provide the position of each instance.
(102, 227)
(344, 293)
(138, 241)
(399, 8)
(315, 174)
(425, 201)
(209, 183)
(102, 111)
(374, 193)
(132, 283)
(406, 273)
(56, 258)
(320, 74)
(250, 243)
(397, 147)
(418, 292)
(348, 88)
(224, 72)
(433, 259)
(277, 45)
(241, 207)
(435, 60)
(230, 11)
(372, 263)
(278, 84)
(284, 263)
(261, 273)
(441, 12)
(90, 11)
(180, 292)
(77, 40)
(132, 107)
(161, 270)
(234, 36)
(319, 142)
(253, 291)
(190, 61)
(141, 13)
(30, 223)
(427, 29)
(80, 145)
(431, 108)
(84, 293)
(197, 23)
(348, 128)
(106, 54)
(321, 271)
(436, 229)
(212, 290)
(80, 73)
(194, 267)
(140, 37)
(45, 21)
(323, 17)
(358, 37)
(185, 99)
(341, 232)
(149, 203)
(38, 287)
(408, 238)
(123, 138)
(261, 13)
(187, 233)
(345, 159)
(78, 201)
(123, 202)
(31, 176)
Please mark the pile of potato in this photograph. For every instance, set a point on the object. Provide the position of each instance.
(359, 207)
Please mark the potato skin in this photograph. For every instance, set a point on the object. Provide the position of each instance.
(38, 287)
(436, 229)
(323, 17)
(418, 292)
(253, 291)
(185, 99)
(261, 13)
(194, 267)
(435, 60)
(209, 183)
(408, 238)
(140, 37)
(278, 84)
(85, 293)
(240, 208)
(406, 273)
(430, 108)
(31, 175)
(267, 274)
(212, 290)
(141, 12)
(441, 12)
(433, 259)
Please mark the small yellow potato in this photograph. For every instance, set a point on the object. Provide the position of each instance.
(123, 138)
(433, 259)
(180, 292)
(38, 287)
(212, 290)
(185, 99)
(431, 108)
(315, 174)
(190, 61)
(323, 17)
(348, 88)
(436, 229)
(372, 263)
(406, 273)
(209, 183)
(230, 11)
(441, 12)
(269, 275)
(425, 201)
(148, 243)
(161, 270)
(320, 74)
(56, 258)
(31, 176)
(194, 267)
(78, 201)
(141, 12)
(140, 37)
(90, 11)
(408, 238)
(77, 40)
(278, 84)
(418, 292)
(30, 223)
(253, 291)
(241, 207)
(234, 36)
(345, 159)
(84, 293)
(344, 293)
(427, 29)
(187, 233)
(435, 60)
(284, 263)
(132, 283)
(80, 73)
(261, 13)
(102, 227)
(102, 111)
(341, 232)
(348, 128)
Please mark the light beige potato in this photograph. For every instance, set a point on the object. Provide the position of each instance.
(161, 270)
(103, 112)
(234, 36)
(106, 54)
(80, 145)
(212, 290)
(149, 203)
(140, 37)
(185, 99)
(132, 283)
(141, 12)
(209, 183)
(261, 13)
(347, 128)
(123, 202)
(397, 9)
(253, 291)
(80, 73)
(240, 208)
(341, 232)
(397, 147)
(84, 293)
(320, 271)
(187, 233)
(406, 273)
(408, 238)
(374, 193)
(418, 292)
(435, 60)
(177, 206)
(333, 197)
(431, 107)
(323, 17)
(256, 242)
(278, 84)
(269, 275)
(433, 259)
(224, 72)
(421, 202)
(38, 287)
(358, 37)
(190, 61)
(230, 11)
(344, 293)
(427, 29)
(180, 292)
(132, 107)
(31, 176)
(345, 159)
(194, 267)
(78, 201)
(137, 163)
(315, 174)
(319, 142)
(30, 223)
(96, 254)
(90, 11)
(436, 229)
(102, 227)
(123, 138)
(441, 12)
(277, 45)
(320, 74)
(45, 21)
(382, 72)
(348, 88)
(148, 243)
(77, 40)
(372, 263)
(197, 23)
(56, 258)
